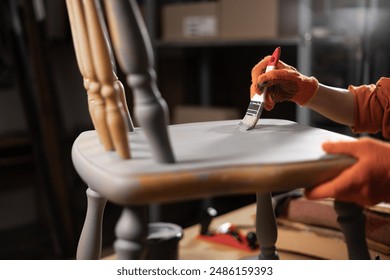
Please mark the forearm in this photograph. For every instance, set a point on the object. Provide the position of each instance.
(334, 103)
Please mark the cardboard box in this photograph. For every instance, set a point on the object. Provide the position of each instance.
(249, 19)
(186, 21)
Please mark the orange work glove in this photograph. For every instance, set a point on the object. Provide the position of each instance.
(367, 182)
(284, 83)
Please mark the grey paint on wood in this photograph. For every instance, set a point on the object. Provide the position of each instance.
(135, 56)
(90, 242)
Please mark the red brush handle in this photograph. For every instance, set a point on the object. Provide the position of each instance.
(275, 57)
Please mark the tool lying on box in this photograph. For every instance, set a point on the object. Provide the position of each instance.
(256, 104)
(227, 233)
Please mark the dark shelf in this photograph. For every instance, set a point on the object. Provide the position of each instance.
(285, 41)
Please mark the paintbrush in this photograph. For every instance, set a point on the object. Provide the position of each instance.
(256, 104)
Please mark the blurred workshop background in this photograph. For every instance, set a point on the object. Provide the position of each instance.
(204, 51)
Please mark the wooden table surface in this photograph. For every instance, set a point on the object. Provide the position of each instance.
(193, 248)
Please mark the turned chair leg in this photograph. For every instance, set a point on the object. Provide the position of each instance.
(131, 232)
(352, 223)
(266, 228)
(90, 243)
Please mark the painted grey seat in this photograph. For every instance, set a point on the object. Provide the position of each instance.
(158, 163)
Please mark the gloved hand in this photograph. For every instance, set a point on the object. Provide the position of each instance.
(367, 182)
(284, 83)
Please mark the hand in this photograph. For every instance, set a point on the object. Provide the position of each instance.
(367, 182)
(284, 83)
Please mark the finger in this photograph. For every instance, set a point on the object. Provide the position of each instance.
(350, 148)
(328, 192)
(269, 107)
(276, 77)
(321, 191)
(355, 199)
(340, 186)
(259, 68)
(269, 102)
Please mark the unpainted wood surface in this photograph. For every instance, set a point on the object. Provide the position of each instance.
(105, 93)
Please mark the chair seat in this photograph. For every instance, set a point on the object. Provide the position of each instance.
(277, 155)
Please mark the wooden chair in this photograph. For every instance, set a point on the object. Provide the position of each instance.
(158, 163)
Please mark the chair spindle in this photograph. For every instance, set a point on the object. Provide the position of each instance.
(135, 56)
(96, 103)
(106, 98)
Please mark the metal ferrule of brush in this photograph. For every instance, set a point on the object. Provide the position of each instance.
(255, 108)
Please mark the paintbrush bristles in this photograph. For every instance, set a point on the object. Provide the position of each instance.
(252, 115)
(248, 122)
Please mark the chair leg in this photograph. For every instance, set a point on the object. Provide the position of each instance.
(131, 233)
(352, 223)
(90, 243)
(266, 228)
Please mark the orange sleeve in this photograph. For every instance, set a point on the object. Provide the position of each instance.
(372, 107)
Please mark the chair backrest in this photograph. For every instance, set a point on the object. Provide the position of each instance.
(106, 98)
